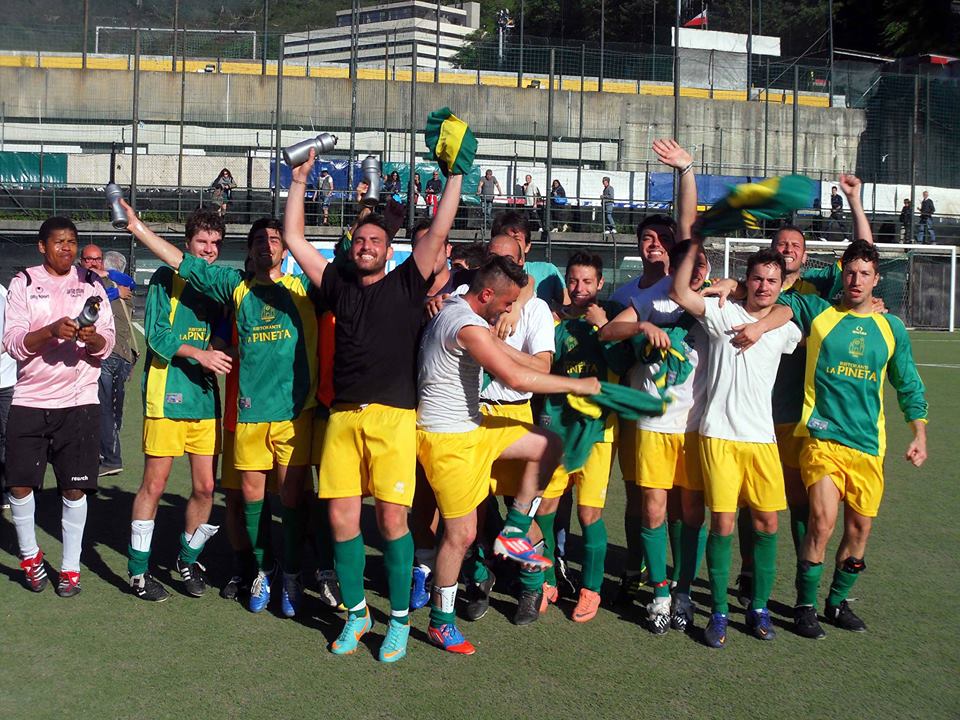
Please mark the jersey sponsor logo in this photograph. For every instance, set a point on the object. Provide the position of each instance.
(858, 330)
(268, 314)
(173, 398)
(199, 334)
(75, 292)
(857, 347)
(853, 370)
(268, 333)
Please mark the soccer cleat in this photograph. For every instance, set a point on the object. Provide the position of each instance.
(519, 549)
(806, 624)
(146, 588)
(630, 586)
(292, 594)
(354, 628)
(550, 595)
(658, 616)
(394, 646)
(565, 585)
(477, 596)
(843, 617)
(528, 609)
(36, 572)
(419, 592)
(329, 589)
(715, 634)
(587, 606)
(107, 470)
(193, 576)
(259, 592)
(235, 587)
(69, 583)
(745, 588)
(760, 624)
(681, 613)
(448, 637)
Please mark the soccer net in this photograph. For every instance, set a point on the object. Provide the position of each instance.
(917, 282)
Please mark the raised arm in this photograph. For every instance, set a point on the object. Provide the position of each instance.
(425, 253)
(627, 324)
(672, 154)
(851, 185)
(166, 252)
(482, 346)
(311, 262)
(681, 292)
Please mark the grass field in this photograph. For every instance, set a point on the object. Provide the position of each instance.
(108, 654)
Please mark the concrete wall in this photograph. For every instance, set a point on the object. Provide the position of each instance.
(828, 137)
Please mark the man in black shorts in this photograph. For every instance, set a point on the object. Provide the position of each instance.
(55, 412)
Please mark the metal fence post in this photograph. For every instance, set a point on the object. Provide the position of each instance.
(412, 187)
(547, 215)
(913, 160)
(796, 117)
(136, 124)
(276, 154)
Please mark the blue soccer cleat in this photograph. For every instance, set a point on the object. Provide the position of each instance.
(394, 646)
(259, 592)
(292, 594)
(419, 593)
(715, 635)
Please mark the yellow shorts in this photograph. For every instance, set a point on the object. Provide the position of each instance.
(261, 446)
(505, 475)
(230, 477)
(627, 450)
(370, 450)
(788, 445)
(166, 437)
(669, 459)
(457, 465)
(316, 446)
(591, 480)
(741, 474)
(857, 475)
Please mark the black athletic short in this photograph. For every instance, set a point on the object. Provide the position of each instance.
(67, 438)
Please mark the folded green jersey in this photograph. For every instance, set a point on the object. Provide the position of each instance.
(451, 142)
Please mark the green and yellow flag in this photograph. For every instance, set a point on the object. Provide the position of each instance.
(749, 204)
(451, 142)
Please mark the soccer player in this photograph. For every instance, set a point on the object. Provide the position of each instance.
(55, 415)
(457, 444)
(850, 349)
(277, 331)
(370, 441)
(580, 353)
(738, 449)
(181, 402)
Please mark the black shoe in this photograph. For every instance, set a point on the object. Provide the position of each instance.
(681, 613)
(565, 585)
(528, 609)
(194, 579)
(843, 617)
(236, 587)
(478, 598)
(806, 624)
(630, 586)
(744, 589)
(146, 588)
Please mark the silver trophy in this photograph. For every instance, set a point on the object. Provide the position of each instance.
(370, 172)
(118, 216)
(298, 154)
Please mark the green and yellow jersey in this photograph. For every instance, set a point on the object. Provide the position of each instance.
(848, 356)
(827, 281)
(176, 314)
(277, 335)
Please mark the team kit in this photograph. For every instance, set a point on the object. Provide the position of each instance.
(466, 381)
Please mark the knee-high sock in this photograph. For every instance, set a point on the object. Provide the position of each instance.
(798, 525)
(692, 542)
(192, 545)
(594, 554)
(398, 559)
(745, 538)
(808, 582)
(546, 523)
(840, 587)
(675, 529)
(138, 551)
(632, 527)
(72, 523)
(23, 511)
(475, 565)
(252, 512)
(294, 522)
(655, 550)
(719, 548)
(350, 558)
(531, 580)
(764, 567)
(517, 523)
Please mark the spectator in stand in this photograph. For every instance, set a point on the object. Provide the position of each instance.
(488, 189)
(434, 190)
(906, 215)
(925, 232)
(392, 186)
(532, 199)
(221, 188)
(607, 198)
(325, 194)
(836, 211)
(558, 207)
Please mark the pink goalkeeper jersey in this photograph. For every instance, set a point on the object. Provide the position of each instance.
(63, 373)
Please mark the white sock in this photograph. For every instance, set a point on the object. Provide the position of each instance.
(448, 597)
(400, 615)
(200, 536)
(23, 510)
(72, 523)
(141, 535)
(358, 607)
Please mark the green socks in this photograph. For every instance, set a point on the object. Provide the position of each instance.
(692, 543)
(474, 565)
(137, 561)
(549, 541)
(517, 523)
(764, 567)
(655, 550)
(398, 559)
(594, 555)
(294, 521)
(840, 587)
(719, 549)
(632, 527)
(798, 526)
(531, 580)
(251, 515)
(808, 582)
(350, 558)
(675, 528)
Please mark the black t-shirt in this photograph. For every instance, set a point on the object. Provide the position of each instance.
(376, 333)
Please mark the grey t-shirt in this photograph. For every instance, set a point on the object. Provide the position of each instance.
(608, 196)
(488, 187)
(448, 378)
